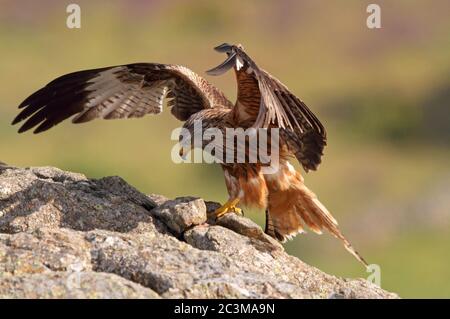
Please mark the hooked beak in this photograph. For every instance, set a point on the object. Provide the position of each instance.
(228, 63)
(224, 48)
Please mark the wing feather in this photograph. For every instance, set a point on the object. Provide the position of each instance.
(125, 91)
(301, 130)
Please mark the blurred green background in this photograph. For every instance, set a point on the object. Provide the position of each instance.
(384, 96)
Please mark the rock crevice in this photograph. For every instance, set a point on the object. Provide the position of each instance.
(63, 235)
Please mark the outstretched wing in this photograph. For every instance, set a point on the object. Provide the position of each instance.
(264, 101)
(124, 91)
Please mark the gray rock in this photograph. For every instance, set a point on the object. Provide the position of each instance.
(44, 250)
(246, 227)
(48, 197)
(181, 213)
(65, 236)
(57, 285)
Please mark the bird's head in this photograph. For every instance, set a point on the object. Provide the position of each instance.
(237, 59)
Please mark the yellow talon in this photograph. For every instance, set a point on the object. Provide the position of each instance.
(229, 206)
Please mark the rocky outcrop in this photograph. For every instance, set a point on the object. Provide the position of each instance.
(63, 235)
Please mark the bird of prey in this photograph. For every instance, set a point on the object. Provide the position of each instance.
(134, 90)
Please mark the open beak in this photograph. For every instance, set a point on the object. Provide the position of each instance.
(228, 63)
(225, 66)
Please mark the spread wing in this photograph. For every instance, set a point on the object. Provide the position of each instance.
(124, 91)
(269, 102)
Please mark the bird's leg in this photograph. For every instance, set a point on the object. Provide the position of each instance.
(229, 206)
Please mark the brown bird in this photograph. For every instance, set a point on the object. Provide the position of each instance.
(263, 102)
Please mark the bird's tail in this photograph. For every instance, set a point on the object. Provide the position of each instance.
(293, 205)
